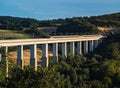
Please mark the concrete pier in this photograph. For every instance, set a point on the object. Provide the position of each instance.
(45, 59)
(0, 57)
(55, 52)
(100, 41)
(85, 47)
(72, 48)
(20, 61)
(95, 43)
(64, 49)
(6, 60)
(33, 56)
(91, 45)
(79, 48)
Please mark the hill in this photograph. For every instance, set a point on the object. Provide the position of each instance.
(91, 24)
(67, 25)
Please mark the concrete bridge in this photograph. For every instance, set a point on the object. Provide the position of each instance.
(84, 44)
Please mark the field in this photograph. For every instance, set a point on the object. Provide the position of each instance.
(104, 28)
(10, 34)
(12, 56)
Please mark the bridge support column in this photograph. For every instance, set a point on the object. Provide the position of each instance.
(72, 48)
(33, 58)
(95, 43)
(45, 60)
(91, 45)
(79, 48)
(55, 52)
(6, 60)
(0, 57)
(100, 41)
(20, 62)
(64, 49)
(85, 47)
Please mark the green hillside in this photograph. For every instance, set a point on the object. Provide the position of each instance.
(67, 25)
(90, 24)
(10, 34)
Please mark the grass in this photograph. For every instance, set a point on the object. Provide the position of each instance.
(104, 28)
(12, 56)
(10, 34)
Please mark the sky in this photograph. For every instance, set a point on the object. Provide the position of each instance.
(54, 9)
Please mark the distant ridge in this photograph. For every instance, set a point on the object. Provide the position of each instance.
(67, 25)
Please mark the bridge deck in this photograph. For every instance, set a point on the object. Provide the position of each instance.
(54, 39)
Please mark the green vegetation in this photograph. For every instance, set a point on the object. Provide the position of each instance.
(10, 34)
(68, 25)
(13, 34)
(77, 26)
(16, 23)
(99, 69)
(36, 33)
(90, 24)
(24, 26)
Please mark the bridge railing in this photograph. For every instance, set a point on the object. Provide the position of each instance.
(77, 33)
